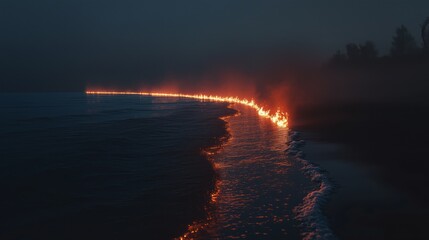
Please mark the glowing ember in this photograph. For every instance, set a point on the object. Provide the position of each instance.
(278, 117)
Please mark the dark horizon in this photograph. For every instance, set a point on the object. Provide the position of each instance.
(51, 46)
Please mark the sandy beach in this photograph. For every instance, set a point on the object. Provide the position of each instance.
(371, 154)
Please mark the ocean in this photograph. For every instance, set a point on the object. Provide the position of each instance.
(77, 166)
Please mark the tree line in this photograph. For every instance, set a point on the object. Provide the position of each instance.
(403, 47)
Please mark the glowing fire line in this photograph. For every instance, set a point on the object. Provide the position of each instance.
(278, 117)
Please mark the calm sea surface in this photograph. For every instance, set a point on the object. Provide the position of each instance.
(77, 166)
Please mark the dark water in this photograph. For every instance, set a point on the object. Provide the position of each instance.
(260, 185)
(74, 166)
(77, 166)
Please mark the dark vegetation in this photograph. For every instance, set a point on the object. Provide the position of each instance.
(404, 49)
(380, 111)
(388, 127)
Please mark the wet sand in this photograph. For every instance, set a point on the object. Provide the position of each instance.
(259, 185)
(377, 157)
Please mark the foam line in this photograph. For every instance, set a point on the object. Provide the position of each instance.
(309, 213)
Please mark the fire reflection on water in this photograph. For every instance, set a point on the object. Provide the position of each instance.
(257, 185)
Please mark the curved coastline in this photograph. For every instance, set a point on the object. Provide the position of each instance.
(308, 213)
(194, 229)
(113, 167)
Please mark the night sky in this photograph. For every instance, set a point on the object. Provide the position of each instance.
(56, 45)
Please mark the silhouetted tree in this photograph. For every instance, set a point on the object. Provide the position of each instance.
(353, 52)
(403, 43)
(368, 51)
(338, 57)
(361, 53)
(425, 34)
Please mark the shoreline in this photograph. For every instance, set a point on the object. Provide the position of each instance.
(259, 184)
(310, 213)
(208, 152)
(371, 153)
(123, 168)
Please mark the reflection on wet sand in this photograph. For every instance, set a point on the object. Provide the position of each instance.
(258, 184)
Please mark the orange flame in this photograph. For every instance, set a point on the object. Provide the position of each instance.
(278, 117)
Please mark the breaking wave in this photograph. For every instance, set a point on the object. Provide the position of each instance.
(309, 213)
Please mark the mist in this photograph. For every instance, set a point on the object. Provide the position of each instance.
(275, 52)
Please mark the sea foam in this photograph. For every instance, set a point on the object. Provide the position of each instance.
(309, 213)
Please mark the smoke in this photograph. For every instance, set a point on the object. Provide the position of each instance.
(282, 81)
(286, 81)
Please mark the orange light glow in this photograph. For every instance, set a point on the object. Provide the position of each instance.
(279, 118)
